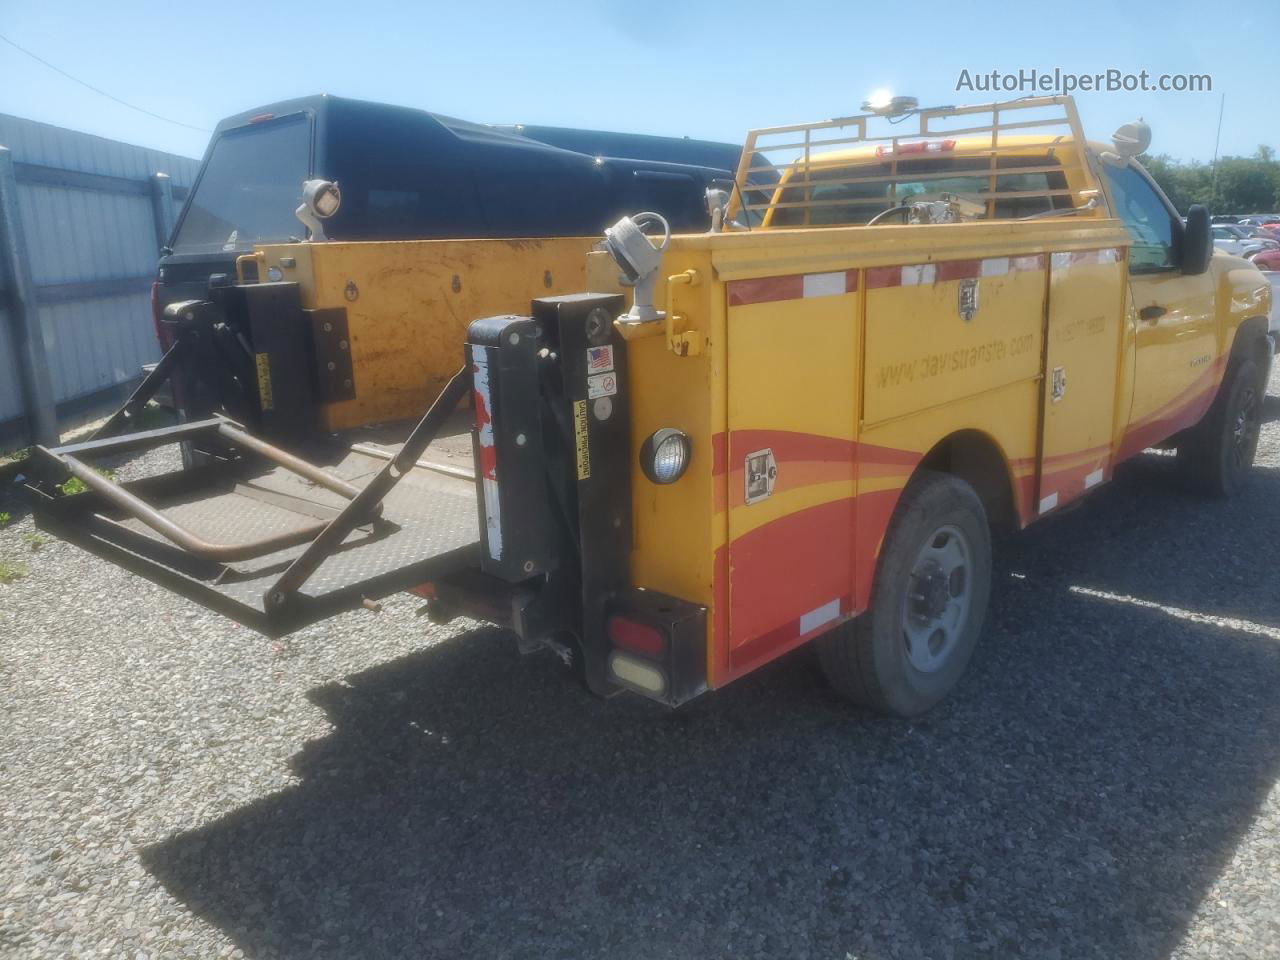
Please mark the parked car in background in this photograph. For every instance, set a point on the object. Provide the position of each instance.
(1267, 259)
(1229, 242)
(1250, 234)
(1274, 324)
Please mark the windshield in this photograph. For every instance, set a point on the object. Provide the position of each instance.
(249, 187)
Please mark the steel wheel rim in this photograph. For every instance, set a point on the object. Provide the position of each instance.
(939, 597)
(1244, 432)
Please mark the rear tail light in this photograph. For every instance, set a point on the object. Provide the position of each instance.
(657, 645)
(632, 640)
(637, 637)
(921, 146)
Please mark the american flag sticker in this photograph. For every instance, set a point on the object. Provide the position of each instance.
(599, 359)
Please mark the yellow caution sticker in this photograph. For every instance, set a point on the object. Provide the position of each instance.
(264, 382)
(580, 439)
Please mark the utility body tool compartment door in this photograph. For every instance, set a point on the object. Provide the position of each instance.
(1082, 357)
(793, 349)
(938, 332)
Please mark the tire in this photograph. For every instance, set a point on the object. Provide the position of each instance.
(1216, 458)
(910, 648)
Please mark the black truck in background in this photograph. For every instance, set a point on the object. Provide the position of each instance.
(409, 174)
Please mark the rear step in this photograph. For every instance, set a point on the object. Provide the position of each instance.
(274, 545)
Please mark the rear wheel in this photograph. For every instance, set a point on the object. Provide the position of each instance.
(928, 603)
(1216, 457)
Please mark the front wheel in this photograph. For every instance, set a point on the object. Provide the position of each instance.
(928, 603)
(1216, 457)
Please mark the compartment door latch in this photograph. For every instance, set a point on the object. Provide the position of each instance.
(760, 474)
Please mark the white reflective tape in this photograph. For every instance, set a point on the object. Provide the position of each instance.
(480, 384)
(995, 267)
(1060, 261)
(1093, 479)
(1048, 503)
(918, 274)
(824, 284)
(823, 614)
(493, 518)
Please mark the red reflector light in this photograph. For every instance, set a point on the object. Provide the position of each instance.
(637, 637)
(922, 146)
(262, 118)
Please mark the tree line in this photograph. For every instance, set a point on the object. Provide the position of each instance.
(1243, 184)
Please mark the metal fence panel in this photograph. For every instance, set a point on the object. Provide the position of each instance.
(90, 225)
(94, 345)
(10, 393)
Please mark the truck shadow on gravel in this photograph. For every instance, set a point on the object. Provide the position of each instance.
(1077, 796)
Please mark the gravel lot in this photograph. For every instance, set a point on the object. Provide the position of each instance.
(1102, 785)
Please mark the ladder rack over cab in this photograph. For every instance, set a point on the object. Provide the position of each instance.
(798, 426)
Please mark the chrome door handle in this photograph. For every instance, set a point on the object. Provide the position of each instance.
(1152, 313)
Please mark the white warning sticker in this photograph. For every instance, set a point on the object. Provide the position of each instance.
(602, 385)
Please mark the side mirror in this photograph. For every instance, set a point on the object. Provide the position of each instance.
(1197, 242)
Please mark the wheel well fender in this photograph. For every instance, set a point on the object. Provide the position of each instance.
(1250, 339)
(978, 459)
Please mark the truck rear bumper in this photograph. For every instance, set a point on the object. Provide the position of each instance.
(654, 644)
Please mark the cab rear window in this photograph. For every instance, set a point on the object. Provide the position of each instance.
(832, 203)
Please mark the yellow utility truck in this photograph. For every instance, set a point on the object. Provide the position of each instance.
(800, 426)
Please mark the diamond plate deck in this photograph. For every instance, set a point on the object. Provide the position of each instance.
(428, 528)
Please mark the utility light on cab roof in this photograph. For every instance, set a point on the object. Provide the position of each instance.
(1132, 139)
(320, 201)
(884, 104)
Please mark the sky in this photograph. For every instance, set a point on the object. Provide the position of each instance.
(693, 68)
